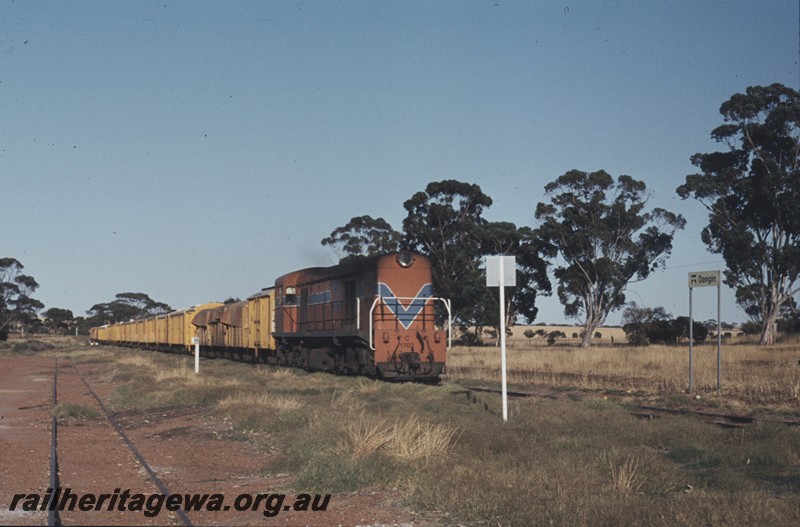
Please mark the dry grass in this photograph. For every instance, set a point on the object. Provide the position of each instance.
(368, 386)
(751, 374)
(278, 374)
(137, 360)
(264, 400)
(178, 372)
(153, 379)
(624, 477)
(169, 372)
(366, 435)
(75, 411)
(405, 440)
(42, 345)
(412, 439)
(346, 400)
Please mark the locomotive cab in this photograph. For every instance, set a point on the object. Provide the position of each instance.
(376, 316)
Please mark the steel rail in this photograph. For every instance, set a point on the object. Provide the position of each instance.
(53, 518)
(139, 457)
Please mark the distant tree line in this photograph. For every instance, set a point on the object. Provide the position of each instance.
(125, 307)
(20, 312)
(645, 325)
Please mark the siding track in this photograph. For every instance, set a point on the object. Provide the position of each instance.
(645, 411)
(53, 517)
(60, 459)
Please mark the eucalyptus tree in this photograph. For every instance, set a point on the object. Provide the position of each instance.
(752, 192)
(605, 239)
(504, 238)
(363, 236)
(445, 222)
(124, 307)
(16, 304)
(59, 321)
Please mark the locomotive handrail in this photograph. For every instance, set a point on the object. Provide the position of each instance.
(444, 301)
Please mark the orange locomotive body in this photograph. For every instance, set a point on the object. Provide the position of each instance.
(375, 316)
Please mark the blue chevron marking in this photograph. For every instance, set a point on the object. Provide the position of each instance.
(405, 314)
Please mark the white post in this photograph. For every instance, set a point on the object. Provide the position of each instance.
(196, 342)
(496, 277)
(503, 342)
(691, 338)
(719, 337)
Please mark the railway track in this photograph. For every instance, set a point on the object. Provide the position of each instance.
(53, 517)
(724, 420)
(476, 372)
(110, 460)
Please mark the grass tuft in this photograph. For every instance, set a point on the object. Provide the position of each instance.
(75, 411)
(369, 387)
(405, 440)
(366, 435)
(624, 477)
(264, 400)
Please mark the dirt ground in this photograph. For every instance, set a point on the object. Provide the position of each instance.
(190, 453)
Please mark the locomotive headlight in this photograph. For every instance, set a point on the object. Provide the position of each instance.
(405, 259)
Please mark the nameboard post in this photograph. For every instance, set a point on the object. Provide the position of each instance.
(501, 271)
(706, 279)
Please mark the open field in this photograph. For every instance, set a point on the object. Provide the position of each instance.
(441, 456)
(751, 375)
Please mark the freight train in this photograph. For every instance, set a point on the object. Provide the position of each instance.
(375, 316)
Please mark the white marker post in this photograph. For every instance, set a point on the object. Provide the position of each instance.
(706, 279)
(501, 271)
(196, 342)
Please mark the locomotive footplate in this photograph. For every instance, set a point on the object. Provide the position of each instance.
(410, 365)
(426, 373)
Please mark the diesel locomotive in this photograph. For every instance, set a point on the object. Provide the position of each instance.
(375, 316)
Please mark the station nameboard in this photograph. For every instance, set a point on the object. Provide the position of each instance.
(704, 279)
(493, 271)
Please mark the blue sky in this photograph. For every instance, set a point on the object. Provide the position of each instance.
(196, 150)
